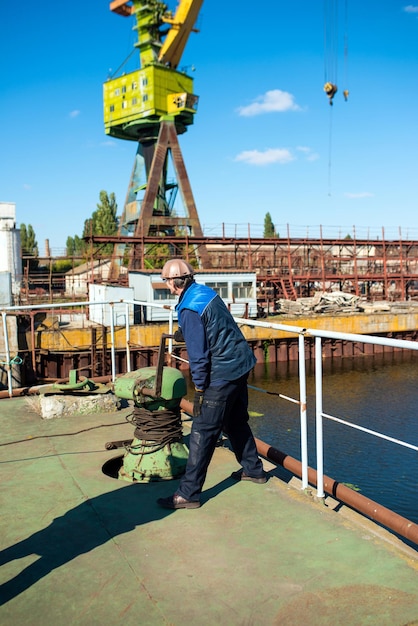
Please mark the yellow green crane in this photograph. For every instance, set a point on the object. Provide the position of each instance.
(135, 102)
(152, 106)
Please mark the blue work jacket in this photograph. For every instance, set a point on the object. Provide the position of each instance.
(216, 347)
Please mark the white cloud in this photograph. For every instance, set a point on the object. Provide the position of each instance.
(27, 187)
(74, 113)
(271, 155)
(309, 155)
(410, 8)
(271, 102)
(361, 194)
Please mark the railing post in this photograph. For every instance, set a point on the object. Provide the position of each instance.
(128, 337)
(170, 331)
(303, 412)
(318, 404)
(112, 341)
(7, 350)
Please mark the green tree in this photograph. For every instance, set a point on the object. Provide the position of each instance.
(75, 246)
(70, 246)
(64, 265)
(28, 241)
(88, 228)
(29, 247)
(269, 228)
(103, 221)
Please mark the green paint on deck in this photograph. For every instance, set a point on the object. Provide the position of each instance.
(81, 548)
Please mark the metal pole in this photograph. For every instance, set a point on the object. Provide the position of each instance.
(112, 341)
(32, 339)
(7, 350)
(170, 331)
(128, 337)
(318, 404)
(303, 412)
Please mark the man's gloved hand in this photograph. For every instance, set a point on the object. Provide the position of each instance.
(178, 336)
(197, 402)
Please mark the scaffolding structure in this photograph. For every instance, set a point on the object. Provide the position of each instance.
(286, 267)
(291, 268)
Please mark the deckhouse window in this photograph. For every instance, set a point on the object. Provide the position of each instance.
(243, 290)
(220, 288)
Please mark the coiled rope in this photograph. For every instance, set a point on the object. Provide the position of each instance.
(154, 429)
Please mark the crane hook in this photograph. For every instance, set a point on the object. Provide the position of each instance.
(330, 89)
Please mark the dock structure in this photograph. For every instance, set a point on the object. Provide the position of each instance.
(80, 547)
(290, 267)
(50, 350)
(298, 267)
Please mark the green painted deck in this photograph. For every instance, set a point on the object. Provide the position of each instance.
(78, 547)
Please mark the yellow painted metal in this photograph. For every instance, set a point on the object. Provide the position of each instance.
(135, 102)
(181, 26)
(146, 94)
(76, 339)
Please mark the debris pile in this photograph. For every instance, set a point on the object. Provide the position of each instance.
(335, 302)
(321, 302)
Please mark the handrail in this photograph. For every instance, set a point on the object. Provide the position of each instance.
(302, 333)
(71, 305)
(319, 335)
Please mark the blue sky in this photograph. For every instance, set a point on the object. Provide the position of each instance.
(264, 139)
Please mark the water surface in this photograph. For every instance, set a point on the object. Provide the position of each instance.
(377, 392)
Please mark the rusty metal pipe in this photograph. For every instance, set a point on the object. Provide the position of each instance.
(356, 501)
(360, 503)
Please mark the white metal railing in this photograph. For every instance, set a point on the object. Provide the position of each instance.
(301, 333)
(319, 335)
(74, 305)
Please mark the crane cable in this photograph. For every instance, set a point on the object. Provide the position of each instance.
(346, 92)
(331, 22)
(330, 67)
(330, 48)
(331, 64)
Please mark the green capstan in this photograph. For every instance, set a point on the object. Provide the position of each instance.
(157, 451)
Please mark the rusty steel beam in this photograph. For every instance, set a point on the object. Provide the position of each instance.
(275, 241)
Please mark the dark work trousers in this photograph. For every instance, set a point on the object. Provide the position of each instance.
(224, 409)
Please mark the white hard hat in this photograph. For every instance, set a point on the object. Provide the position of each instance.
(176, 268)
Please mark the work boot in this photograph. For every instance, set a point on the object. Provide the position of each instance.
(241, 475)
(178, 502)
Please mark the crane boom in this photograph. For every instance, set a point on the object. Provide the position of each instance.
(122, 7)
(181, 26)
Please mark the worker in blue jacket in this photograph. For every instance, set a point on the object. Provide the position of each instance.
(220, 360)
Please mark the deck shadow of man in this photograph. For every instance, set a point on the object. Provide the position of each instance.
(85, 527)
